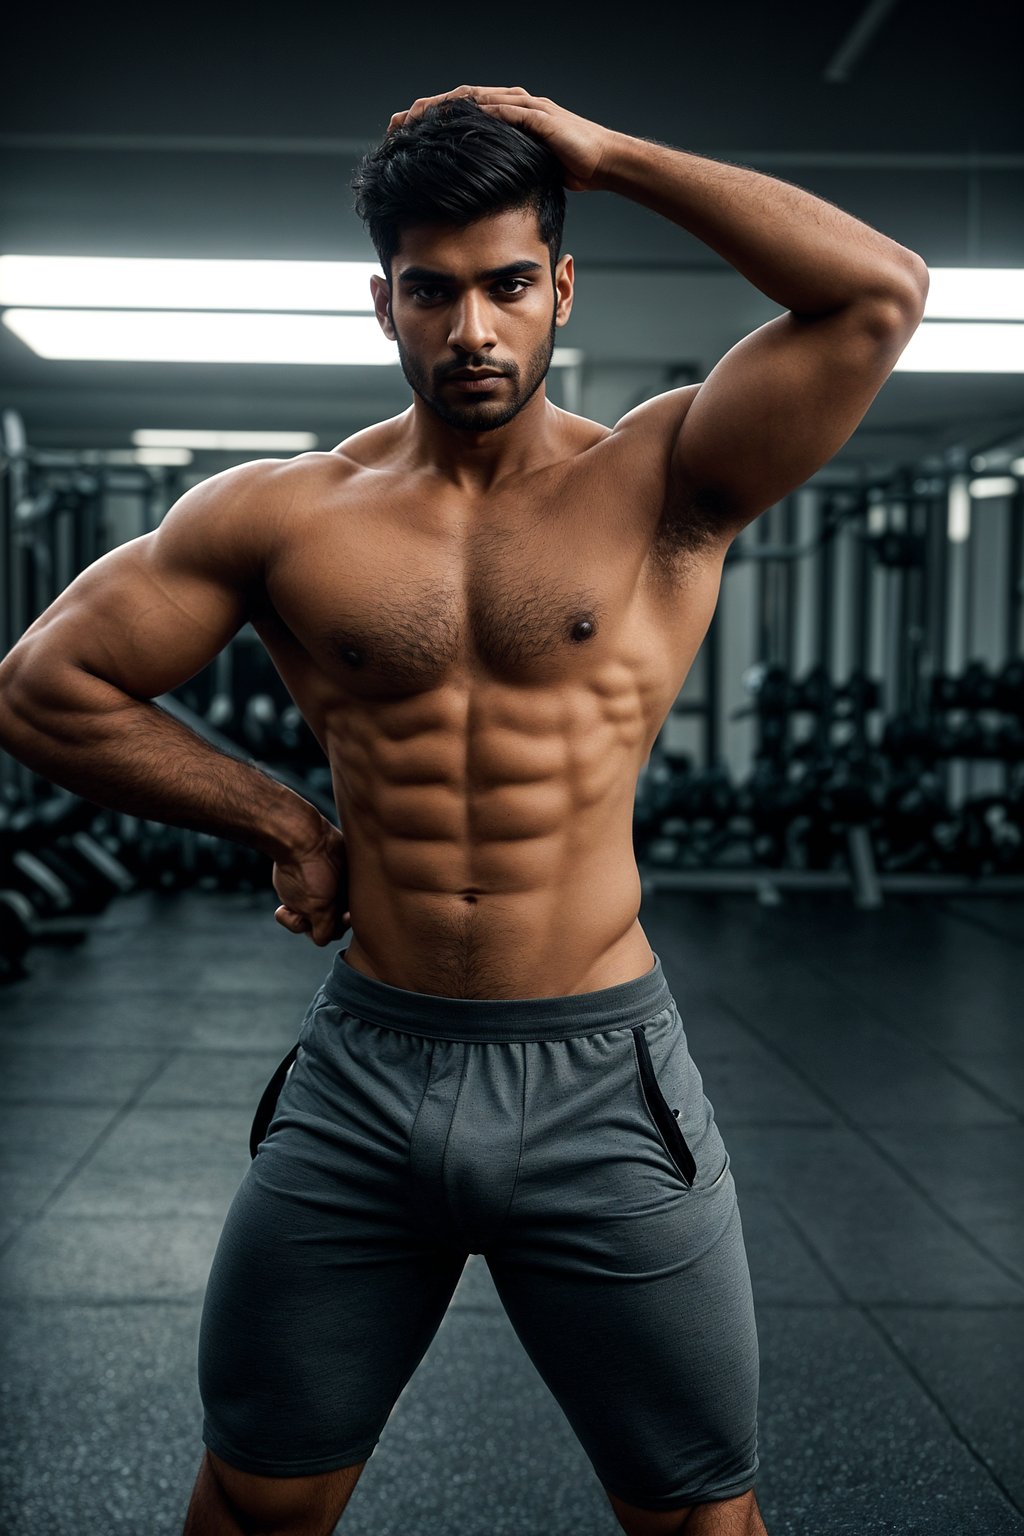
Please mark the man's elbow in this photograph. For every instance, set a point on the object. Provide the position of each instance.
(895, 309)
(920, 281)
(910, 285)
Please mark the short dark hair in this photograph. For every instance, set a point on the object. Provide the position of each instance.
(455, 164)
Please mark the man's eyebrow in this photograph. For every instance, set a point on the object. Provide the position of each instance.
(428, 275)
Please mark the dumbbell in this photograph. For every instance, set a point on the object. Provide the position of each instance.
(858, 693)
(91, 872)
(17, 932)
(772, 688)
(906, 736)
(977, 686)
(297, 740)
(992, 835)
(1009, 688)
(260, 727)
(815, 692)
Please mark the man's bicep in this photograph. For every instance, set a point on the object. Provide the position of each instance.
(152, 613)
(779, 405)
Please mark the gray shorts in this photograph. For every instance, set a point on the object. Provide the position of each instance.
(566, 1139)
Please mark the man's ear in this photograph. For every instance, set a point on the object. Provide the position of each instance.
(564, 280)
(381, 291)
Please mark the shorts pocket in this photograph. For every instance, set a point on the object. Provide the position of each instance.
(661, 1113)
(268, 1103)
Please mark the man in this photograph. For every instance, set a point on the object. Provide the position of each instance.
(485, 608)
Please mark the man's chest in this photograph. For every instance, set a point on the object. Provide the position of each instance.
(393, 603)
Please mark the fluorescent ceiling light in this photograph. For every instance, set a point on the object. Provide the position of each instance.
(179, 337)
(958, 511)
(159, 438)
(134, 336)
(162, 456)
(128, 282)
(964, 348)
(1017, 467)
(158, 456)
(993, 485)
(975, 293)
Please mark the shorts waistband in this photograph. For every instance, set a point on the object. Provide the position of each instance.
(515, 1018)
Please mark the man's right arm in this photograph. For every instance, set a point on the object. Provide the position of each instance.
(76, 690)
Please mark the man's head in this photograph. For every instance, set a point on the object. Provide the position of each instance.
(454, 200)
(453, 165)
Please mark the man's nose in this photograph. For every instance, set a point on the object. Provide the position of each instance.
(471, 328)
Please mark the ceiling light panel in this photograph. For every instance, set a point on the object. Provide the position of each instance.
(132, 336)
(964, 347)
(128, 282)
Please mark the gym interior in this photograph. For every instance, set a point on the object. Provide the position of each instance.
(829, 829)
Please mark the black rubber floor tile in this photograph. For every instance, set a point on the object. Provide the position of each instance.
(102, 1419)
(246, 1021)
(163, 1162)
(851, 1445)
(973, 1363)
(477, 1444)
(1000, 1073)
(110, 1259)
(760, 1090)
(75, 1074)
(106, 1432)
(475, 1291)
(246, 1018)
(40, 1144)
(105, 1014)
(875, 1234)
(782, 1268)
(209, 1077)
(712, 1028)
(876, 1077)
(977, 1173)
(291, 967)
(957, 987)
(1001, 916)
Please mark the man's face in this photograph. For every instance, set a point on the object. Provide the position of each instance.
(477, 299)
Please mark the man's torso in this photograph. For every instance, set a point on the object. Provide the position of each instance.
(487, 675)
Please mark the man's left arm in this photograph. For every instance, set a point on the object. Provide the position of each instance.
(782, 401)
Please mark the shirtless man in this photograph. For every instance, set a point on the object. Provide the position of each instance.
(484, 608)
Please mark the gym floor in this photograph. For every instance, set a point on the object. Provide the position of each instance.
(867, 1071)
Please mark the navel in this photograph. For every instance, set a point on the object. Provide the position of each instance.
(352, 656)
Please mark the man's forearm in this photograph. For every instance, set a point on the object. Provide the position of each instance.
(130, 755)
(799, 250)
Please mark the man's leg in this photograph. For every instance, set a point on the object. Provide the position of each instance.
(725, 1517)
(227, 1502)
(325, 1290)
(622, 1269)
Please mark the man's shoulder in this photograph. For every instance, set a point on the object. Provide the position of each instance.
(661, 415)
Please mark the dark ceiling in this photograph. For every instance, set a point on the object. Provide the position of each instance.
(232, 132)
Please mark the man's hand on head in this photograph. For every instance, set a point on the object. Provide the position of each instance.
(580, 145)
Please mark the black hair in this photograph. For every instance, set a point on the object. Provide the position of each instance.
(454, 164)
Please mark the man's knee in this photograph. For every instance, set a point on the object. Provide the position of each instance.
(282, 1506)
(739, 1516)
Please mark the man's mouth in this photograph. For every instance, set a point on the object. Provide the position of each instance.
(474, 379)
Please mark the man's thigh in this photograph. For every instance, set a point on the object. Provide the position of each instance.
(325, 1292)
(623, 1271)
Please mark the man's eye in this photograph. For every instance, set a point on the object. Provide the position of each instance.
(520, 284)
(426, 292)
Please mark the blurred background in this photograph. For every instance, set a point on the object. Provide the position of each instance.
(830, 828)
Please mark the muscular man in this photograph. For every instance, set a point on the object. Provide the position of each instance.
(484, 608)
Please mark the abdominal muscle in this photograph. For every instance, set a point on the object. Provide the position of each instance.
(489, 841)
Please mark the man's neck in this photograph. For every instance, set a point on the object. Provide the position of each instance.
(475, 462)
